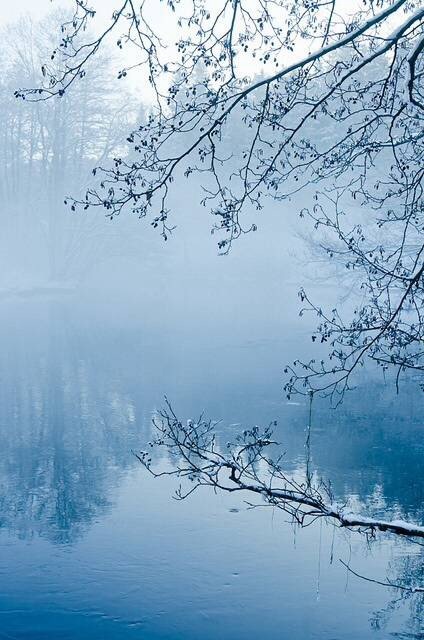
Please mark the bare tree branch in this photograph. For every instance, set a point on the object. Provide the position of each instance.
(245, 466)
(333, 110)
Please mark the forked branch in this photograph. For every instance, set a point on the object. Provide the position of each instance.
(246, 466)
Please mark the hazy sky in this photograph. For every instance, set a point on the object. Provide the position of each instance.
(9, 11)
(161, 17)
(12, 11)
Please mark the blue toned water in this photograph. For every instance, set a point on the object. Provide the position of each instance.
(91, 547)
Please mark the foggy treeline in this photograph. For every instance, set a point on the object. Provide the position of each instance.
(48, 150)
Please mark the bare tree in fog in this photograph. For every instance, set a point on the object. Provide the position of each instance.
(335, 108)
(330, 103)
(48, 151)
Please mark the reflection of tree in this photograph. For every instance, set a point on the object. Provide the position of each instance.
(72, 403)
(64, 436)
(371, 447)
(409, 571)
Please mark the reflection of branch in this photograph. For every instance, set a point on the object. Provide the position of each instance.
(246, 467)
(392, 585)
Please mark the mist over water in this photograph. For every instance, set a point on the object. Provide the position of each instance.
(100, 320)
(91, 545)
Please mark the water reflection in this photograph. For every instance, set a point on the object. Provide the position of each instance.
(78, 389)
(408, 571)
(64, 436)
(372, 447)
(73, 403)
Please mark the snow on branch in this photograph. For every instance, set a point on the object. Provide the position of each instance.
(245, 466)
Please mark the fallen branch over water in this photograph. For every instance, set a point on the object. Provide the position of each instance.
(244, 466)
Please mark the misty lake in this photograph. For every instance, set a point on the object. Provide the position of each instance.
(204, 205)
(92, 547)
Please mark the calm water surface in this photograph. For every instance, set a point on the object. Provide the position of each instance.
(92, 547)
